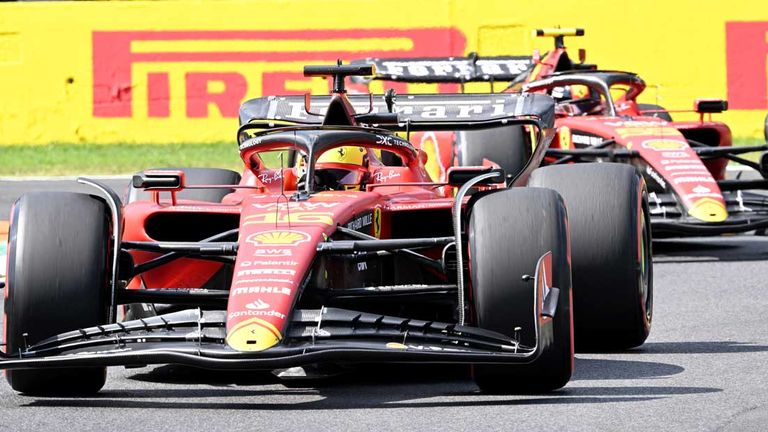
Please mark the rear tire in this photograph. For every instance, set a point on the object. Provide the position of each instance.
(611, 251)
(505, 146)
(508, 232)
(662, 112)
(765, 128)
(193, 176)
(57, 282)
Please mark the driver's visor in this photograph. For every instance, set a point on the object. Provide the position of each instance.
(343, 176)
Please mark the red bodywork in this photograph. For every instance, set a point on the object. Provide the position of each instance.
(277, 240)
(668, 160)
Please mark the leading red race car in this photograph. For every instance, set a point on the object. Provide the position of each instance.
(321, 254)
(599, 119)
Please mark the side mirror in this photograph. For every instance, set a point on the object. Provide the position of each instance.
(710, 106)
(457, 176)
(159, 180)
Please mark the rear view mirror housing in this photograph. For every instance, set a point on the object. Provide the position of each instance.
(159, 180)
(710, 106)
(457, 176)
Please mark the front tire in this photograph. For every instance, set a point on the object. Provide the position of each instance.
(508, 232)
(611, 250)
(57, 282)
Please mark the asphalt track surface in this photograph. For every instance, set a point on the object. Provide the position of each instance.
(705, 367)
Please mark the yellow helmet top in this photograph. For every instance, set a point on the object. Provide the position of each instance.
(351, 155)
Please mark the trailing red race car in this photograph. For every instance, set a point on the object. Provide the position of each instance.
(599, 119)
(321, 254)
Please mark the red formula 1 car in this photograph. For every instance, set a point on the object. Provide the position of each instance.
(323, 255)
(599, 119)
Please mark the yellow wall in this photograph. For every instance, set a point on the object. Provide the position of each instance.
(47, 58)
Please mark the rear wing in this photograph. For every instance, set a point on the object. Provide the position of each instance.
(449, 69)
(426, 112)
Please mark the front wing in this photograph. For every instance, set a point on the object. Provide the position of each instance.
(328, 335)
(747, 211)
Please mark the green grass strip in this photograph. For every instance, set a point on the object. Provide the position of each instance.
(112, 159)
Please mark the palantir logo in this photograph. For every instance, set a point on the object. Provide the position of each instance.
(163, 70)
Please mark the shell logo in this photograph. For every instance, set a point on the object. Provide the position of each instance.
(664, 144)
(285, 238)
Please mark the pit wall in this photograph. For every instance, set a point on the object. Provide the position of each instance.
(173, 71)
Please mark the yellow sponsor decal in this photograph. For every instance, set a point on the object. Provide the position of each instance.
(708, 210)
(429, 146)
(625, 132)
(4, 227)
(396, 345)
(564, 134)
(287, 238)
(377, 222)
(253, 334)
(286, 217)
(664, 144)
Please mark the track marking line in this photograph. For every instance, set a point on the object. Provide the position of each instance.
(65, 178)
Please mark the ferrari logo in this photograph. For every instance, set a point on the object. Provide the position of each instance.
(377, 222)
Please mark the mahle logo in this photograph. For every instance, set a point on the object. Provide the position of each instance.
(194, 74)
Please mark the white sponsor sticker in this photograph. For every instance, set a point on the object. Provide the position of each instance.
(267, 271)
(259, 304)
(270, 313)
(286, 263)
(264, 280)
(694, 179)
(272, 252)
(262, 290)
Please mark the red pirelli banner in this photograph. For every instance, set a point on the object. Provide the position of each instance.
(171, 71)
(115, 54)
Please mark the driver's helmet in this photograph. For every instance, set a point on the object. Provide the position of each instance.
(342, 168)
(575, 100)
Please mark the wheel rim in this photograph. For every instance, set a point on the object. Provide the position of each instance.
(646, 296)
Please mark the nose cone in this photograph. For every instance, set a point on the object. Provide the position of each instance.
(708, 210)
(254, 334)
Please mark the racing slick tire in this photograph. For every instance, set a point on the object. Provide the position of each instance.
(504, 146)
(661, 113)
(765, 128)
(509, 231)
(611, 252)
(57, 282)
(192, 176)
